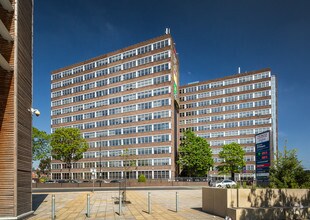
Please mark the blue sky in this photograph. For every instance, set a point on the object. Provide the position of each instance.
(213, 39)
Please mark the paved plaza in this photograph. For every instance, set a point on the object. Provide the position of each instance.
(72, 205)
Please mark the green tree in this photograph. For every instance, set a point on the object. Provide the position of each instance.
(287, 171)
(68, 145)
(45, 166)
(195, 155)
(233, 161)
(41, 148)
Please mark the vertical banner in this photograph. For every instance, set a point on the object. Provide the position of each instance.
(262, 153)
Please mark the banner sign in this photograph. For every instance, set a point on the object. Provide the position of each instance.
(262, 152)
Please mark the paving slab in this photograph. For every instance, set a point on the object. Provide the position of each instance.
(72, 205)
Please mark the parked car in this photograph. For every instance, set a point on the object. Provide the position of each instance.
(226, 183)
(62, 181)
(75, 181)
(50, 181)
(115, 181)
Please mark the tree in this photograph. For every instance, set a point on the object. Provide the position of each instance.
(287, 171)
(45, 166)
(233, 161)
(68, 146)
(195, 155)
(41, 148)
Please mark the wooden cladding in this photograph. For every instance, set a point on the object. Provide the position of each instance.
(15, 119)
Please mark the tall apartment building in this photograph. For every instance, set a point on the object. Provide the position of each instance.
(15, 102)
(125, 103)
(232, 109)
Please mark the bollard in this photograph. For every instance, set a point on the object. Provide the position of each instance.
(176, 201)
(88, 206)
(120, 204)
(53, 207)
(149, 202)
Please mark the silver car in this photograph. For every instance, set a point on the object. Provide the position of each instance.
(226, 184)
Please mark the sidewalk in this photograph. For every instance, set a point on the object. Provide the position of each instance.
(73, 205)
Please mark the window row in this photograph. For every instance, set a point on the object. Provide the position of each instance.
(229, 91)
(226, 82)
(113, 90)
(114, 58)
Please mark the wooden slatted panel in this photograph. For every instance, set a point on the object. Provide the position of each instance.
(24, 102)
(7, 123)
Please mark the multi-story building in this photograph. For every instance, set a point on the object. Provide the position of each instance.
(232, 109)
(126, 105)
(15, 101)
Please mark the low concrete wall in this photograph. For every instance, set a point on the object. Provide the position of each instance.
(256, 203)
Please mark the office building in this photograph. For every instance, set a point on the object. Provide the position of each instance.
(15, 101)
(232, 109)
(126, 105)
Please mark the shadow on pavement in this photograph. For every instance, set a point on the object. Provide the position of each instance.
(37, 200)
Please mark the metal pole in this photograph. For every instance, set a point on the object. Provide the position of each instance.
(176, 201)
(149, 202)
(120, 203)
(53, 207)
(88, 206)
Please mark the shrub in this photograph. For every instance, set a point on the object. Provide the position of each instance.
(142, 179)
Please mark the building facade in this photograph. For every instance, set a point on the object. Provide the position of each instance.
(126, 105)
(232, 109)
(15, 101)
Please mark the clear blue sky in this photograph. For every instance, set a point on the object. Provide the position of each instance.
(213, 39)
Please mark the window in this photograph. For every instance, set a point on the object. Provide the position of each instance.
(161, 150)
(115, 100)
(129, 65)
(89, 105)
(101, 113)
(102, 102)
(102, 123)
(162, 138)
(89, 135)
(102, 72)
(162, 102)
(129, 119)
(77, 89)
(144, 94)
(144, 128)
(145, 162)
(115, 121)
(161, 91)
(160, 68)
(142, 140)
(128, 76)
(145, 82)
(114, 79)
(89, 115)
(246, 123)
(129, 86)
(115, 90)
(129, 97)
(145, 60)
(160, 56)
(78, 69)
(146, 105)
(161, 174)
(129, 141)
(128, 54)
(161, 79)
(144, 49)
(113, 111)
(115, 58)
(161, 162)
(89, 125)
(102, 62)
(144, 151)
(160, 44)
(115, 142)
(144, 117)
(129, 108)
(90, 95)
(89, 76)
(129, 130)
(161, 126)
(115, 69)
(162, 114)
(115, 164)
